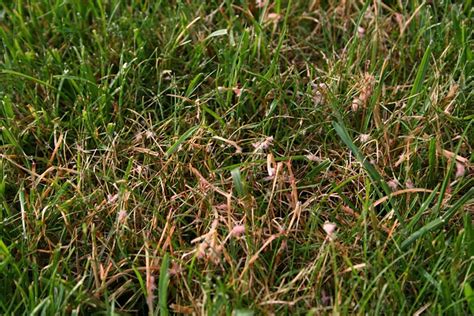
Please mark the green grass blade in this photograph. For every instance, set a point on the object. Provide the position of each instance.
(163, 286)
(238, 182)
(373, 173)
(22, 75)
(217, 33)
(440, 221)
(420, 76)
(469, 294)
(181, 140)
(422, 209)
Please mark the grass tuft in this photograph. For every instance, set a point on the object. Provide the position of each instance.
(236, 157)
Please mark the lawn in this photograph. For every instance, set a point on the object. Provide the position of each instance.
(236, 157)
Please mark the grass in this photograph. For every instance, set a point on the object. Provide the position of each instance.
(162, 157)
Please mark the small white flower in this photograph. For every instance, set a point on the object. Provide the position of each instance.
(329, 228)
